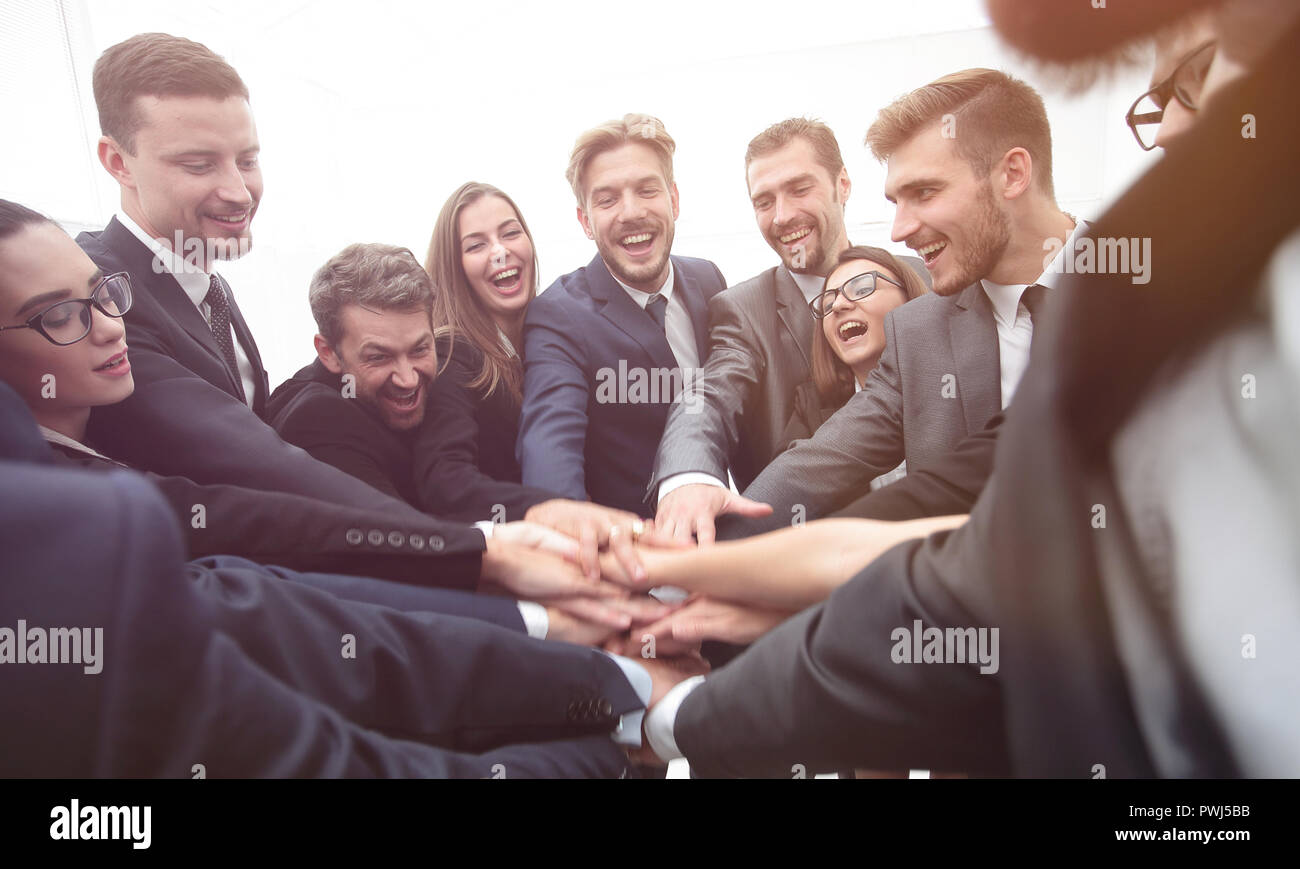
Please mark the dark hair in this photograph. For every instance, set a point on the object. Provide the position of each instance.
(833, 377)
(813, 131)
(13, 217)
(371, 275)
(156, 65)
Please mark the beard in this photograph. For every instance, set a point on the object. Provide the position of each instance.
(630, 274)
(988, 241)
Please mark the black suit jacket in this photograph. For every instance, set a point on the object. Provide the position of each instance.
(464, 462)
(309, 410)
(229, 666)
(185, 418)
(580, 435)
(823, 690)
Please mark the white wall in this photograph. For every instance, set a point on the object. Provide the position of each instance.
(370, 114)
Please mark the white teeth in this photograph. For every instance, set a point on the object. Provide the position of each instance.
(848, 325)
(637, 239)
(508, 273)
(932, 248)
(232, 219)
(796, 235)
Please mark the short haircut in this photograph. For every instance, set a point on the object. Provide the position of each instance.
(834, 378)
(371, 275)
(632, 129)
(991, 114)
(156, 65)
(14, 218)
(814, 132)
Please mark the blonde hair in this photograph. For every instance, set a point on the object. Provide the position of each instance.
(633, 128)
(991, 113)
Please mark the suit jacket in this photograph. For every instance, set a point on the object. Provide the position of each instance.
(586, 431)
(760, 338)
(465, 464)
(309, 410)
(937, 381)
(822, 689)
(231, 667)
(184, 417)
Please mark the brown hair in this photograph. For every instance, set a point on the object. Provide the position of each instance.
(156, 65)
(991, 113)
(372, 275)
(458, 309)
(832, 375)
(813, 131)
(633, 128)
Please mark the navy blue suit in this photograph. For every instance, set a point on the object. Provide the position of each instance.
(243, 668)
(580, 334)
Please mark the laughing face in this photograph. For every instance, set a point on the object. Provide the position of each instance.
(855, 330)
(194, 173)
(392, 357)
(629, 209)
(944, 212)
(497, 256)
(799, 207)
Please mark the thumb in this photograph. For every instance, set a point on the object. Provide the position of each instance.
(743, 506)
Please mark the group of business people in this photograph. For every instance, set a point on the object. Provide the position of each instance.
(973, 439)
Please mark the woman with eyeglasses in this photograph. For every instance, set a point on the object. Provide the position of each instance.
(866, 284)
(63, 351)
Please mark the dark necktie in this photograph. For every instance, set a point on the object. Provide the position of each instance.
(219, 320)
(1034, 297)
(657, 308)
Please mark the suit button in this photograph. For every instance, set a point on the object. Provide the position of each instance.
(376, 537)
(606, 708)
(572, 712)
(416, 541)
(354, 536)
(396, 539)
(436, 543)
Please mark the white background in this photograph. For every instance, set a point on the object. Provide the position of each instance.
(371, 113)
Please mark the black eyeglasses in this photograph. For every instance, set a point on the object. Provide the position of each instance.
(1184, 84)
(68, 322)
(854, 289)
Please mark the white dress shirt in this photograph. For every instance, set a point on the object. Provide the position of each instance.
(677, 321)
(1015, 328)
(195, 283)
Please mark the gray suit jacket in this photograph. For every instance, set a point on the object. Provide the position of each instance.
(938, 381)
(760, 333)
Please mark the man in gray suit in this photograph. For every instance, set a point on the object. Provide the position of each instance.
(760, 333)
(969, 170)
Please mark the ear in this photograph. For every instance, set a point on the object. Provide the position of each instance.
(1016, 173)
(325, 353)
(672, 195)
(113, 158)
(586, 224)
(843, 185)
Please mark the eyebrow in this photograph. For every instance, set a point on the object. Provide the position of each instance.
(609, 188)
(916, 185)
(57, 295)
(207, 152)
(502, 225)
(371, 344)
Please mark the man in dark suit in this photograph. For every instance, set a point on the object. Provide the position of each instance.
(610, 347)
(760, 330)
(980, 209)
(1102, 548)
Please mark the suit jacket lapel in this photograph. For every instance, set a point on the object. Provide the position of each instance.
(974, 337)
(245, 337)
(617, 306)
(160, 283)
(685, 284)
(793, 311)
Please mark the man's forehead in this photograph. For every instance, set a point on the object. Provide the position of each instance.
(928, 154)
(792, 160)
(197, 115)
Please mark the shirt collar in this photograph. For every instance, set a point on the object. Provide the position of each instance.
(192, 280)
(1005, 298)
(810, 285)
(641, 298)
